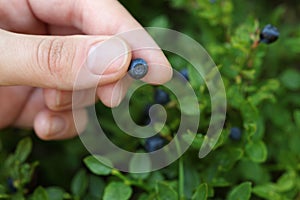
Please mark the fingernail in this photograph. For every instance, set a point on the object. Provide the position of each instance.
(108, 56)
(63, 98)
(57, 125)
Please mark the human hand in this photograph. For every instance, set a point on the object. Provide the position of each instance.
(39, 64)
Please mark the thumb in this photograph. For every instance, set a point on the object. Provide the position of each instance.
(56, 61)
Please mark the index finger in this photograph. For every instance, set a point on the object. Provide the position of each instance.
(107, 17)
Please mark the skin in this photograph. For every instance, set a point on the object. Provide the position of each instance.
(42, 49)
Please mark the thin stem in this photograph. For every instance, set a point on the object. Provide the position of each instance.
(128, 181)
(180, 171)
(181, 178)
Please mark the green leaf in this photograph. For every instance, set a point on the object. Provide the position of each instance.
(140, 166)
(189, 105)
(249, 170)
(297, 118)
(291, 79)
(2, 189)
(267, 191)
(25, 172)
(165, 192)
(220, 182)
(23, 149)
(286, 182)
(236, 96)
(144, 196)
(241, 192)
(265, 92)
(196, 140)
(40, 193)
(4, 196)
(256, 151)
(96, 166)
(55, 193)
(79, 183)
(191, 178)
(154, 178)
(249, 112)
(96, 186)
(160, 21)
(201, 192)
(20, 196)
(117, 191)
(226, 160)
(250, 129)
(196, 79)
(294, 144)
(162, 128)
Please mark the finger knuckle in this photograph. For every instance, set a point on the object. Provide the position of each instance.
(54, 55)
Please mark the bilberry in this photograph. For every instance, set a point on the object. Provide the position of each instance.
(269, 34)
(138, 68)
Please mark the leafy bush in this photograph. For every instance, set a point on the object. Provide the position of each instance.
(262, 87)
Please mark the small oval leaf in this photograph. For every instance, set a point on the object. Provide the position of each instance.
(96, 166)
(117, 191)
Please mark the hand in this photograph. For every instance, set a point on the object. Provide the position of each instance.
(39, 62)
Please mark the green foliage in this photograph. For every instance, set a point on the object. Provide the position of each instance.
(165, 192)
(241, 192)
(117, 191)
(262, 87)
(79, 184)
(96, 166)
(201, 192)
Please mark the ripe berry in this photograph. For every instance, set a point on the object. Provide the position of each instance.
(185, 74)
(269, 34)
(161, 97)
(154, 143)
(138, 68)
(235, 133)
(145, 115)
(11, 187)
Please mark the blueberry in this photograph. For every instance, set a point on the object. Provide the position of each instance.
(138, 68)
(10, 185)
(161, 97)
(154, 143)
(235, 133)
(145, 115)
(269, 34)
(185, 74)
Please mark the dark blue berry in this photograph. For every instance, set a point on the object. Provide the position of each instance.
(161, 97)
(235, 133)
(154, 143)
(138, 68)
(10, 185)
(185, 74)
(269, 34)
(145, 115)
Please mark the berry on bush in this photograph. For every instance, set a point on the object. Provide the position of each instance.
(154, 143)
(138, 68)
(269, 34)
(161, 97)
(185, 74)
(10, 185)
(145, 115)
(235, 133)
